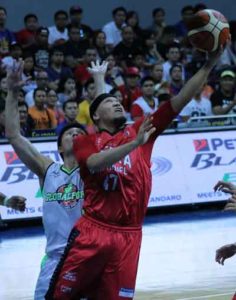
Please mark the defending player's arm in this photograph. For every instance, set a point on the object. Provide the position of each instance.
(97, 161)
(225, 252)
(28, 154)
(15, 202)
(98, 71)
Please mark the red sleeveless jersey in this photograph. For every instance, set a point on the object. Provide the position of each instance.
(119, 194)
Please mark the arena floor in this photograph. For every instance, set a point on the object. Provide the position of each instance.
(177, 258)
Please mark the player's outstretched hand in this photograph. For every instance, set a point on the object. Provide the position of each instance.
(145, 131)
(14, 76)
(226, 187)
(225, 252)
(16, 202)
(231, 204)
(97, 68)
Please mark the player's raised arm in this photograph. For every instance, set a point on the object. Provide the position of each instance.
(98, 71)
(36, 162)
(187, 92)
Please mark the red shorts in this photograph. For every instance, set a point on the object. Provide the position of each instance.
(101, 263)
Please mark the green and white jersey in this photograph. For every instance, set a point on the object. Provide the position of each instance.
(63, 195)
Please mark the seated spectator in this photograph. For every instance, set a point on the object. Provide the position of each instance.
(15, 53)
(41, 80)
(75, 47)
(53, 105)
(157, 74)
(6, 36)
(132, 19)
(83, 116)
(224, 100)
(147, 103)
(58, 34)
(70, 109)
(114, 72)
(174, 56)
(176, 81)
(76, 16)
(99, 42)
(140, 63)
(81, 72)
(3, 88)
(168, 38)
(187, 13)
(56, 69)
(125, 50)
(40, 49)
(2, 118)
(199, 106)
(26, 122)
(26, 36)
(43, 118)
(158, 23)
(130, 90)
(29, 74)
(113, 28)
(152, 56)
(66, 90)
(21, 97)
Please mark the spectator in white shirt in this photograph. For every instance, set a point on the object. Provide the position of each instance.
(174, 56)
(58, 33)
(113, 28)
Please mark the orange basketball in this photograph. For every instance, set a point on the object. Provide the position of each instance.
(208, 29)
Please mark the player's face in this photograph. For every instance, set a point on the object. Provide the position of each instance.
(111, 111)
(67, 140)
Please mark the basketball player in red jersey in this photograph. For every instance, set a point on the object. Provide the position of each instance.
(101, 262)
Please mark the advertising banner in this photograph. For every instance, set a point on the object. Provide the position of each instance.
(185, 167)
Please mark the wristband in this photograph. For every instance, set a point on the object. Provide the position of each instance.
(5, 200)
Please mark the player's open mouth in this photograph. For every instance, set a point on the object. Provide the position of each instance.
(118, 110)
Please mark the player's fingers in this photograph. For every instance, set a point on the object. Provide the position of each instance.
(226, 190)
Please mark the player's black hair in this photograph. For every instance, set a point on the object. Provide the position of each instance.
(96, 102)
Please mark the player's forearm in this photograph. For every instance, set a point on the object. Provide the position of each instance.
(2, 199)
(188, 91)
(102, 160)
(12, 123)
(100, 86)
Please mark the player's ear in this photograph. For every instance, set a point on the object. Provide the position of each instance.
(96, 117)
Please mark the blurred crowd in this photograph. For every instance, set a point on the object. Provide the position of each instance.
(146, 67)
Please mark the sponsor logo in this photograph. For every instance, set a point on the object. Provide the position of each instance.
(126, 293)
(160, 165)
(207, 153)
(230, 177)
(66, 289)
(70, 276)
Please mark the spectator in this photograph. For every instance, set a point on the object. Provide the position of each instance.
(26, 36)
(199, 106)
(174, 57)
(41, 81)
(81, 72)
(83, 116)
(53, 105)
(113, 28)
(28, 75)
(99, 42)
(224, 100)
(70, 109)
(199, 6)
(3, 88)
(2, 118)
(26, 122)
(75, 47)
(15, 53)
(66, 90)
(42, 116)
(6, 36)
(125, 50)
(21, 96)
(147, 103)
(114, 72)
(130, 90)
(152, 56)
(168, 38)
(56, 70)
(40, 49)
(187, 13)
(132, 19)
(140, 63)
(76, 16)
(158, 23)
(157, 74)
(176, 82)
(58, 34)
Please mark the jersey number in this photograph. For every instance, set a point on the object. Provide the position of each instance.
(110, 182)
